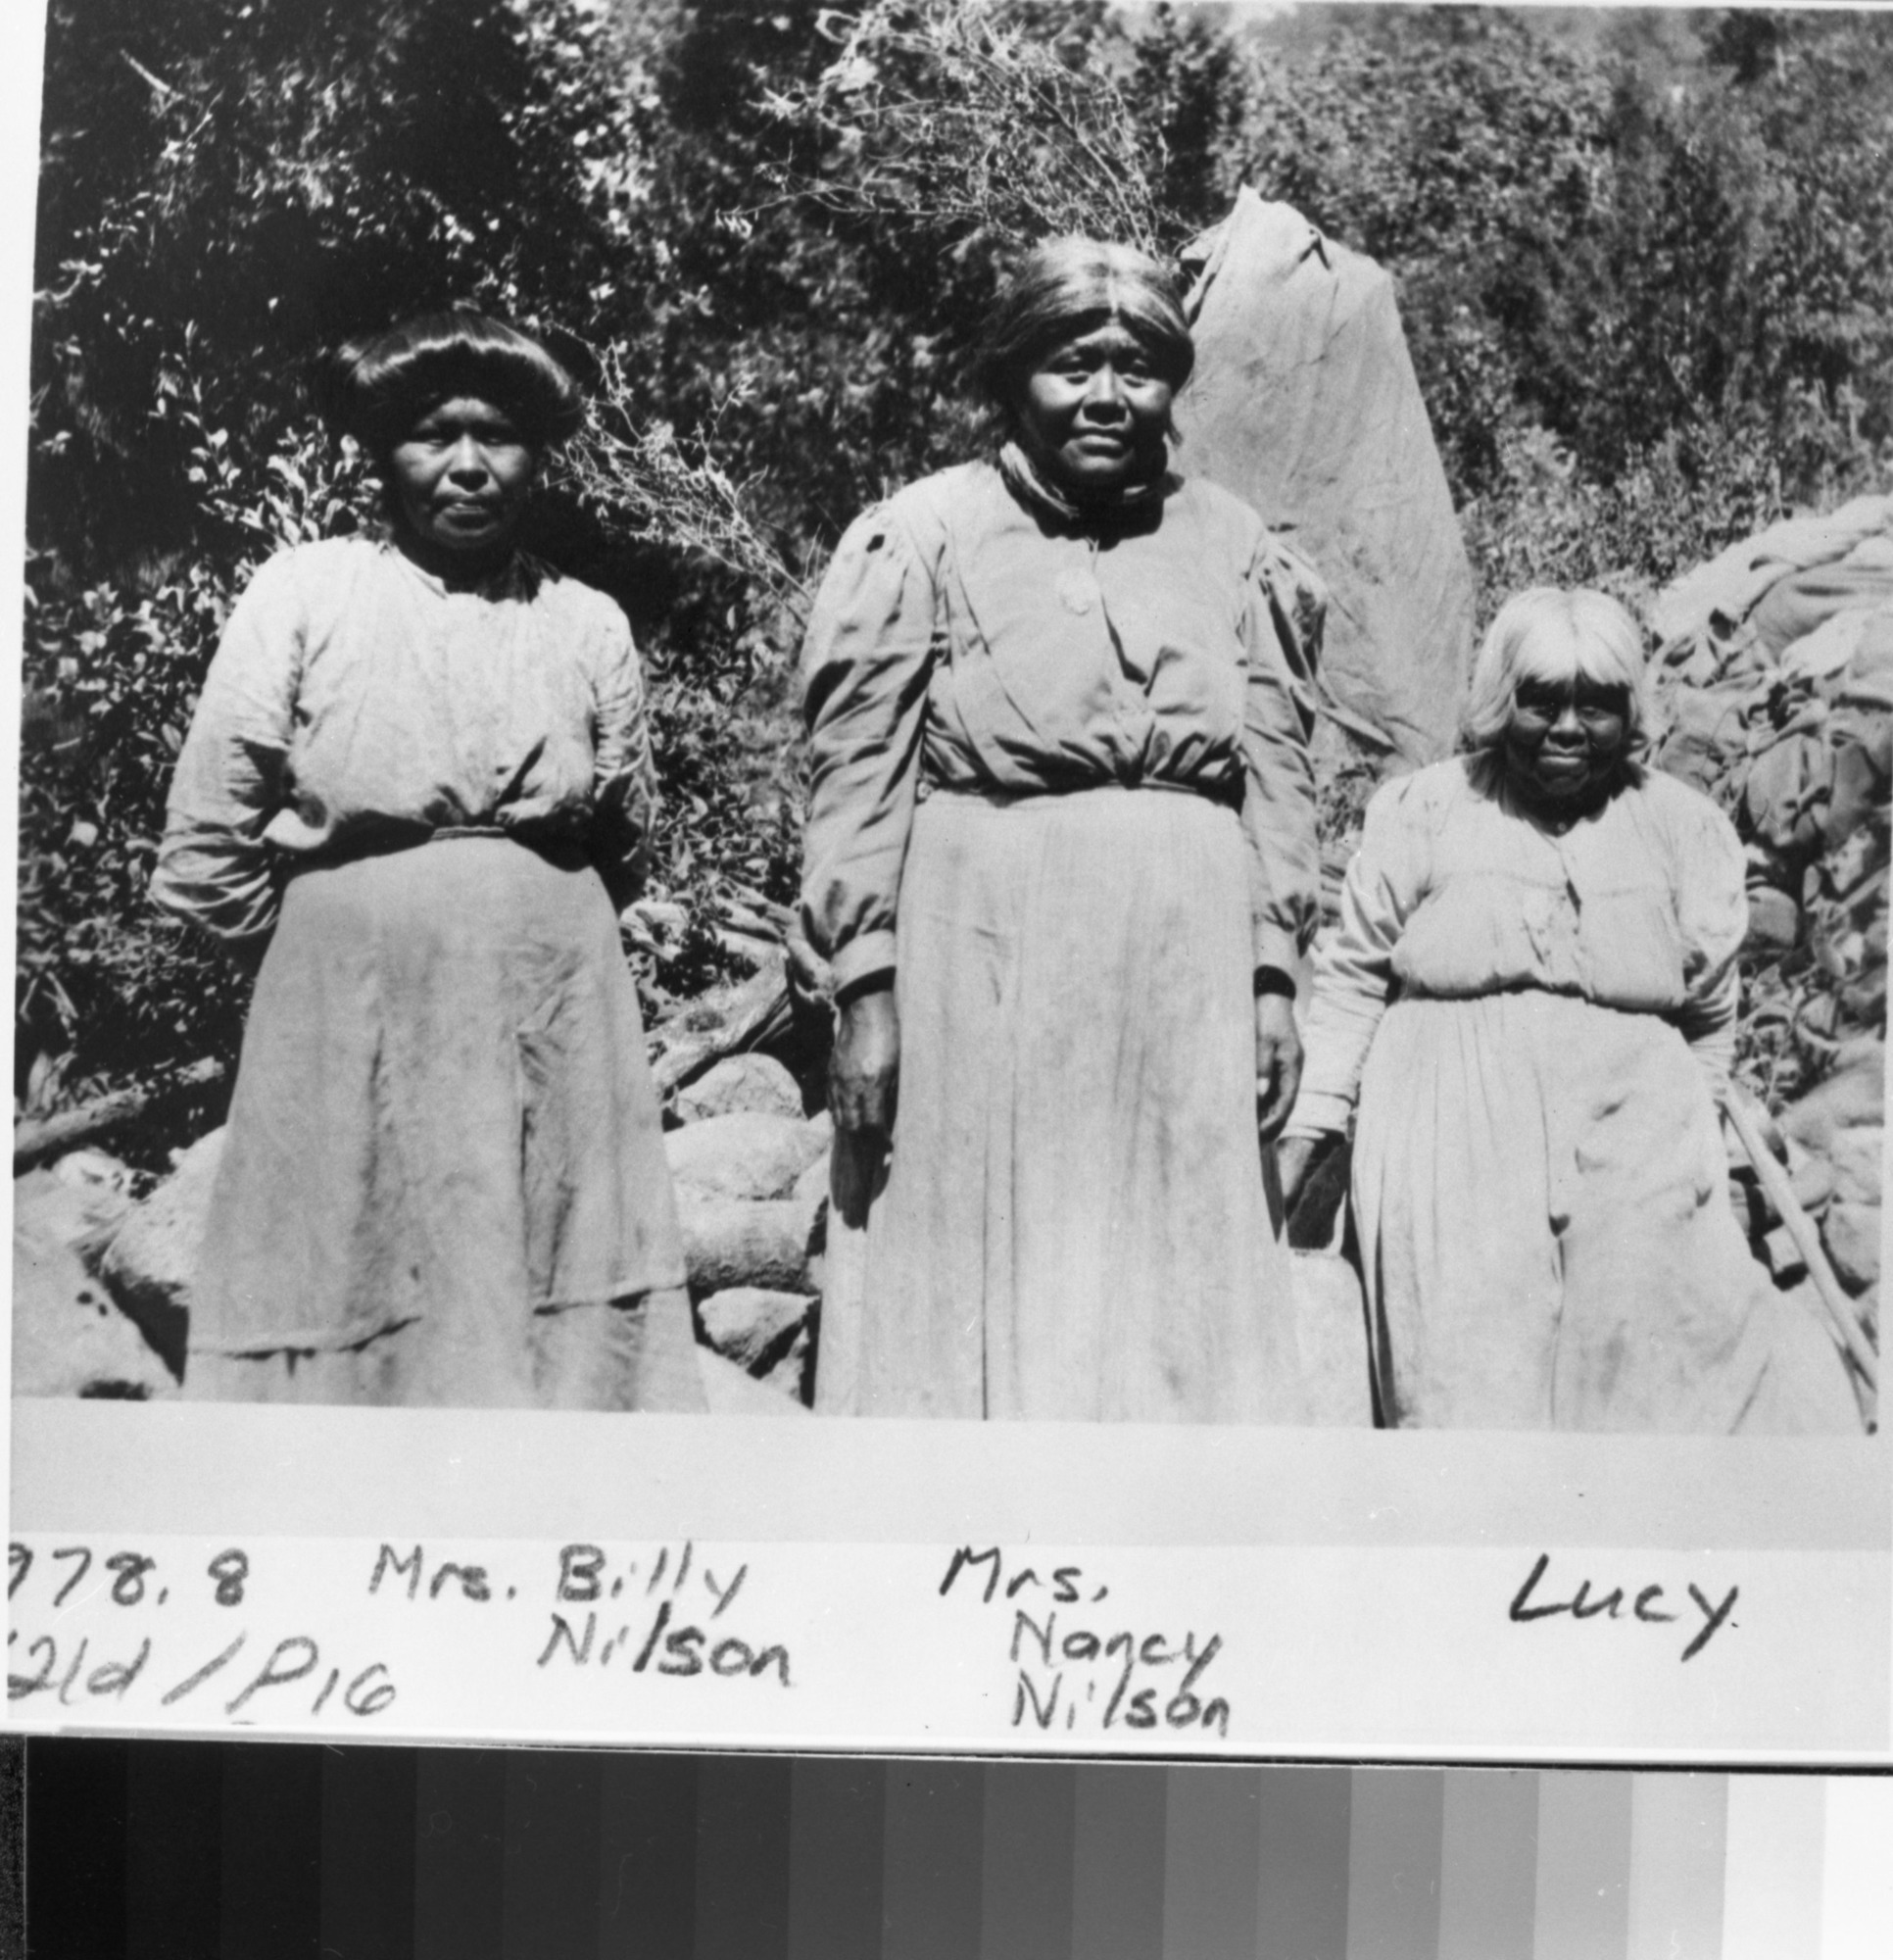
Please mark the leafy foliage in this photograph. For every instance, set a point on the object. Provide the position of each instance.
(1645, 266)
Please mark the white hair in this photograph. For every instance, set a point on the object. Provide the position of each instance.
(1600, 643)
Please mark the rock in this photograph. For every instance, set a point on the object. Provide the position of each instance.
(69, 1338)
(791, 1375)
(756, 1083)
(1773, 922)
(733, 1393)
(1856, 1158)
(1812, 1180)
(812, 1184)
(754, 1326)
(734, 1242)
(80, 1202)
(151, 1260)
(1851, 1233)
(1851, 1097)
(744, 1154)
(727, 1021)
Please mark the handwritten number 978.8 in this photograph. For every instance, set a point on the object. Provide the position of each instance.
(229, 1570)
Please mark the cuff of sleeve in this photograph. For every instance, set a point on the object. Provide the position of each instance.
(861, 958)
(1274, 947)
(1319, 1115)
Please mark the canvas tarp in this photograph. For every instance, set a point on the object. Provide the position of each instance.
(1305, 405)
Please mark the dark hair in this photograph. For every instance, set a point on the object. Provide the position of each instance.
(376, 386)
(1068, 286)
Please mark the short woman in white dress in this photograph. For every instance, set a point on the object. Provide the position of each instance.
(417, 788)
(1532, 999)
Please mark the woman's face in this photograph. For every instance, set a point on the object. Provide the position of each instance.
(461, 478)
(1565, 739)
(1094, 412)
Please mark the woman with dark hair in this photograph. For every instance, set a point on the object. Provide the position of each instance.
(416, 789)
(1061, 857)
(1533, 996)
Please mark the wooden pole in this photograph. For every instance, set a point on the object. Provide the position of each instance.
(39, 1139)
(1840, 1308)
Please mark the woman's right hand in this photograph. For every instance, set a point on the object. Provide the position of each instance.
(865, 1067)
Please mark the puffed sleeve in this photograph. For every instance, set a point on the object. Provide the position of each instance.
(1287, 608)
(624, 779)
(214, 866)
(1711, 907)
(1354, 973)
(866, 661)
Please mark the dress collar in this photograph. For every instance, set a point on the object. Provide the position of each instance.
(517, 579)
(1136, 503)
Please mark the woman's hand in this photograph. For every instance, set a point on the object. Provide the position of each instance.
(1277, 1062)
(865, 1067)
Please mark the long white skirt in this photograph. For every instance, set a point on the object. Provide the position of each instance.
(1539, 1193)
(1071, 1223)
(444, 1181)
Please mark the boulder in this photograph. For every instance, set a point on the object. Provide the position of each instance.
(744, 1154)
(80, 1202)
(731, 1392)
(1851, 1233)
(755, 1083)
(1850, 1098)
(1304, 403)
(791, 1375)
(1856, 1159)
(754, 1326)
(812, 1184)
(151, 1264)
(1774, 921)
(734, 1242)
(69, 1338)
(1809, 1177)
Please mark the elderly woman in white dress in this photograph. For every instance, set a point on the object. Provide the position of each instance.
(418, 786)
(1532, 999)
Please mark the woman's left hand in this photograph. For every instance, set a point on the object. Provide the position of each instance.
(1278, 1063)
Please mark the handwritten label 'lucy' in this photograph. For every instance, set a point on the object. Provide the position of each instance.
(1647, 1605)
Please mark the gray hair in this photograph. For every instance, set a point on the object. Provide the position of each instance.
(1601, 643)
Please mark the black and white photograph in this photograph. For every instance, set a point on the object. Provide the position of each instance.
(995, 788)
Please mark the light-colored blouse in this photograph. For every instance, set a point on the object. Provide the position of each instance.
(1456, 893)
(356, 702)
(969, 638)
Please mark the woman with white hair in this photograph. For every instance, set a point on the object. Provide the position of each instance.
(1061, 857)
(1532, 996)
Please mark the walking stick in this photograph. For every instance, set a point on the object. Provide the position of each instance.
(1840, 1308)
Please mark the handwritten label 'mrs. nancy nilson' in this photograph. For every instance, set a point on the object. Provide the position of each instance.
(1075, 1664)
